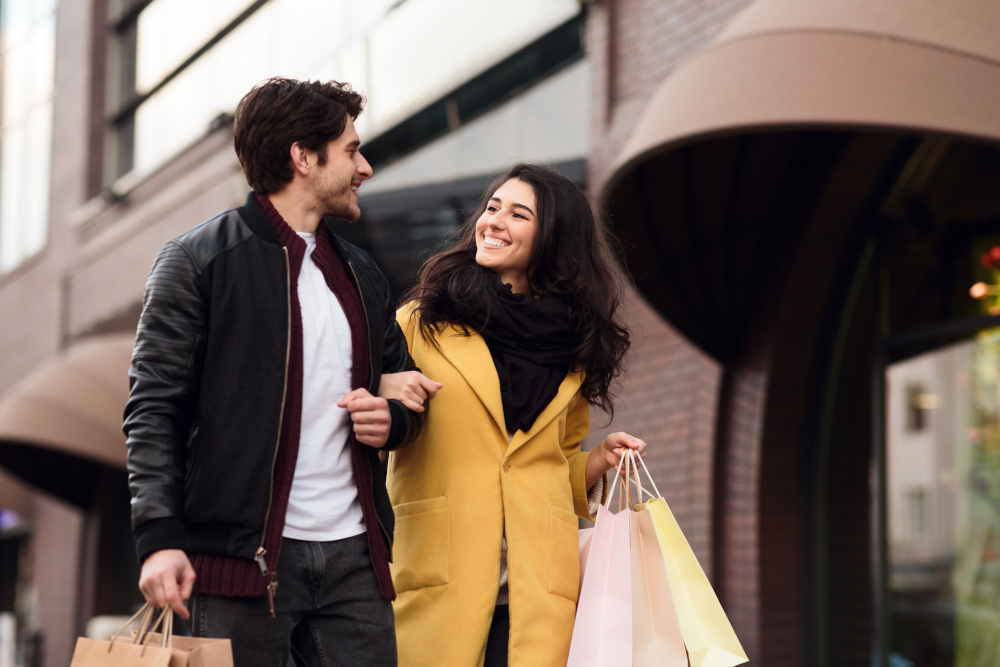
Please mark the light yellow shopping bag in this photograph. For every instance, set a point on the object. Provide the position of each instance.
(708, 635)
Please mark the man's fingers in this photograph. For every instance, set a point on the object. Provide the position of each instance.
(367, 404)
(173, 596)
(371, 417)
(352, 396)
(159, 595)
(187, 586)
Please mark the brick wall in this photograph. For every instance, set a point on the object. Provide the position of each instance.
(668, 399)
(633, 46)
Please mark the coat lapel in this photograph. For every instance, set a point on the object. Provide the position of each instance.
(570, 384)
(471, 357)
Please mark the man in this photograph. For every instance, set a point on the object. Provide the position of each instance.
(253, 422)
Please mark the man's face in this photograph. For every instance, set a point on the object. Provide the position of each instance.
(335, 183)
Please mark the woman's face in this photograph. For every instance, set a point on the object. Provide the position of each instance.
(506, 231)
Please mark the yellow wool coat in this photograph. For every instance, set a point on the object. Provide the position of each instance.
(458, 487)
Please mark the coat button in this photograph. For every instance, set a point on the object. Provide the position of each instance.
(506, 467)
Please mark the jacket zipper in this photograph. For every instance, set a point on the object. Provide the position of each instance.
(371, 374)
(272, 585)
(368, 327)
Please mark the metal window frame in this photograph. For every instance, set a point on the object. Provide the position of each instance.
(122, 99)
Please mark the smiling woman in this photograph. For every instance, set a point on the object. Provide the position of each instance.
(519, 322)
(505, 233)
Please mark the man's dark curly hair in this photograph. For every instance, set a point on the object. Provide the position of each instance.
(279, 112)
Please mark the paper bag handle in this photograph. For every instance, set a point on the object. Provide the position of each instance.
(165, 622)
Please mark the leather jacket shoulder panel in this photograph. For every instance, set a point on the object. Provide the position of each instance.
(214, 237)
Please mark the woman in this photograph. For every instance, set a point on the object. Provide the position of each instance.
(517, 321)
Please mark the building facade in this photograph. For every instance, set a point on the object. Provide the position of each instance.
(803, 193)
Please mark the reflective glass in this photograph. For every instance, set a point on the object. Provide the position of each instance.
(27, 32)
(944, 505)
(401, 59)
(171, 30)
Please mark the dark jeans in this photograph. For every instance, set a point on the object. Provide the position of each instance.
(496, 644)
(328, 607)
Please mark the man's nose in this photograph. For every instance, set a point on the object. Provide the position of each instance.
(364, 169)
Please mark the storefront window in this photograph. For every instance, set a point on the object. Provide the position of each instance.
(27, 61)
(401, 55)
(944, 505)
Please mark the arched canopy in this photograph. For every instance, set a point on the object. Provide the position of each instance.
(735, 149)
(62, 423)
(920, 65)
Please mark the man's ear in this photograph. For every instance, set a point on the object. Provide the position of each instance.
(302, 159)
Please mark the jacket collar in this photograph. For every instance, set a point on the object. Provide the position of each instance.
(471, 357)
(255, 218)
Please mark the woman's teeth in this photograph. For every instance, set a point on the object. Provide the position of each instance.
(495, 243)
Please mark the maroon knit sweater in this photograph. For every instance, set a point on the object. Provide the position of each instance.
(237, 577)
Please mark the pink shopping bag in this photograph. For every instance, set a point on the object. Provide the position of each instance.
(656, 632)
(602, 634)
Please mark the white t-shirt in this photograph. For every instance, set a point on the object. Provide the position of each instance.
(323, 504)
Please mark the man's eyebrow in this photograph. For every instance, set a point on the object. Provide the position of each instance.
(354, 144)
(526, 208)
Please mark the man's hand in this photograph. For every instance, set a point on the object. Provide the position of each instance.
(413, 388)
(370, 415)
(609, 453)
(167, 578)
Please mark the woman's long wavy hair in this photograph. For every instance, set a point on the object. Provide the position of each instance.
(571, 258)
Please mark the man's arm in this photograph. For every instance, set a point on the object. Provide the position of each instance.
(158, 418)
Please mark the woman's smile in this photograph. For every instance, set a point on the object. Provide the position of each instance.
(493, 241)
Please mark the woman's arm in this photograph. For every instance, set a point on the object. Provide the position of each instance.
(413, 388)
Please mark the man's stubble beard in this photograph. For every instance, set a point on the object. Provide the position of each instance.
(336, 200)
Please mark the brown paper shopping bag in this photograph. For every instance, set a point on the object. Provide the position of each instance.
(199, 652)
(153, 649)
(122, 653)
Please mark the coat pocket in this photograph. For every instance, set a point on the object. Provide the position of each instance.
(420, 549)
(564, 553)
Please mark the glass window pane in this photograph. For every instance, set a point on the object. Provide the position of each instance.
(27, 32)
(944, 505)
(399, 59)
(171, 30)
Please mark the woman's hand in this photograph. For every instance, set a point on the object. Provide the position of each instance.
(413, 388)
(609, 453)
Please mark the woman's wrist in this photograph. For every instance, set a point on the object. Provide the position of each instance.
(596, 466)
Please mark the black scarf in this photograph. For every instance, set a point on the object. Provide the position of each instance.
(532, 343)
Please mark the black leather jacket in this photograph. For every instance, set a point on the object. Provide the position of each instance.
(207, 381)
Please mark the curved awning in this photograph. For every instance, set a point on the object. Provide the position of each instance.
(735, 150)
(920, 65)
(63, 422)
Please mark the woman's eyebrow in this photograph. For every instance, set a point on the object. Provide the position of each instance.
(500, 201)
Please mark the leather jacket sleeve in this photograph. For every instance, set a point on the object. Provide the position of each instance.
(163, 390)
(396, 358)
